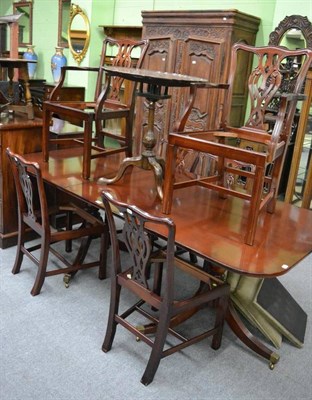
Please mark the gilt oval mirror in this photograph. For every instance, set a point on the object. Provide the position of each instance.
(78, 33)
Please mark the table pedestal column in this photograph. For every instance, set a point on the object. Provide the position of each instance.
(147, 160)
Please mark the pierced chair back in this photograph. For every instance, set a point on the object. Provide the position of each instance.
(151, 274)
(113, 93)
(274, 87)
(34, 214)
(108, 115)
(119, 53)
(248, 160)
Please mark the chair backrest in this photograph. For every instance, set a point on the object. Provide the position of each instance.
(274, 84)
(121, 53)
(31, 196)
(138, 241)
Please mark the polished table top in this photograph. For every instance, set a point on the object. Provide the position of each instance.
(206, 225)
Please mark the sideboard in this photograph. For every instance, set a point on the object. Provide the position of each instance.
(41, 90)
(23, 136)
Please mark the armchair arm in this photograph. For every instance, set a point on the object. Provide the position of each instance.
(56, 91)
(180, 124)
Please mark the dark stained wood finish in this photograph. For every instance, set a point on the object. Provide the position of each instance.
(160, 293)
(35, 214)
(282, 240)
(215, 233)
(22, 136)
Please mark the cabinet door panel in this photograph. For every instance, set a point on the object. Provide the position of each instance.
(200, 57)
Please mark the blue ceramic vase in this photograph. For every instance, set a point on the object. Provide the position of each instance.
(32, 56)
(58, 61)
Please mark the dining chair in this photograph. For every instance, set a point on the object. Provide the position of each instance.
(152, 275)
(113, 101)
(35, 215)
(246, 161)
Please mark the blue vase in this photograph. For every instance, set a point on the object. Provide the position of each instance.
(32, 56)
(57, 62)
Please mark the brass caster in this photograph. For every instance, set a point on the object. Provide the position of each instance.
(66, 280)
(141, 329)
(273, 360)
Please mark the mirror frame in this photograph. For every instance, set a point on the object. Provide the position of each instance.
(29, 4)
(60, 41)
(292, 22)
(74, 11)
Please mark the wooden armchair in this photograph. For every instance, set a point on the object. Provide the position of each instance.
(248, 159)
(35, 215)
(152, 275)
(110, 102)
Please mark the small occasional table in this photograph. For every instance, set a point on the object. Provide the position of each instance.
(21, 64)
(154, 85)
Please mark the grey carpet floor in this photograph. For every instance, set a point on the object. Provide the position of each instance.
(51, 348)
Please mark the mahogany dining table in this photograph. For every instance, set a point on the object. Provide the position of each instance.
(207, 226)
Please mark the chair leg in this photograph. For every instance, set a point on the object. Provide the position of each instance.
(19, 254)
(42, 267)
(87, 138)
(254, 207)
(128, 135)
(157, 350)
(112, 324)
(103, 255)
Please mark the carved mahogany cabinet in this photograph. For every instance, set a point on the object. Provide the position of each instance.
(197, 43)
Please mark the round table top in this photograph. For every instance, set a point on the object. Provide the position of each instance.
(155, 77)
